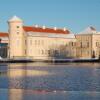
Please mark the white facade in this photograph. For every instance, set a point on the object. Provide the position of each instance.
(16, 37)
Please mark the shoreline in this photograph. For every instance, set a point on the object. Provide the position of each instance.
(92, 60)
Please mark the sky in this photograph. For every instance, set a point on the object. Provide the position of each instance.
(75, 15)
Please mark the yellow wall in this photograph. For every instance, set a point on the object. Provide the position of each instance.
(96, 44)
(40, 47)
(84, 46)
(87, 44)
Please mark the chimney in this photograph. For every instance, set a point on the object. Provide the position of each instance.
(36, 26)
(44, 27)
(64, 29)
(55, 28)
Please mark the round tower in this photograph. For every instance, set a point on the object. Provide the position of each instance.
(16, 37)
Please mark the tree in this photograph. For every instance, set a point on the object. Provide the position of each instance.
(59, 52)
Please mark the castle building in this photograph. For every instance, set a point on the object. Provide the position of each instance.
(43, 43)
(88, 43)
(39, 42)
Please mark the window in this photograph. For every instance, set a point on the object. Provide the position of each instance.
(30, 42)
(17, 26)
(49, 52)
(42, 51)
(35, 42)
(81, 44)
(38, 42)
(25, 42)
(17, 32)
(25, 51)
(73, 44)
(97, 44)
(87, 44)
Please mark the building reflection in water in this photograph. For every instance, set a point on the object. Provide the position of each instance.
(3, 73)
(16, 94)
(31, 81)
(16, 71)
(18, 74)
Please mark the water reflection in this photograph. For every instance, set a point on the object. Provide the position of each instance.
(62, 77)
(14, 72)
(69, 95)
(21, 70)
(50, 81)
(3, 73)
(17, 75)
(3, 70)
(15, 94)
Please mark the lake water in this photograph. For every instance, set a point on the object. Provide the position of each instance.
(48, 81)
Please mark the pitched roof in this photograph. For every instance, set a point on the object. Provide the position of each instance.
(3, 34)
(92, 28)
(89, 30)
(45, 30)
(14, 18)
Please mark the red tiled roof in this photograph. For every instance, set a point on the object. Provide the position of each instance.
(3, 34)
(46, 30)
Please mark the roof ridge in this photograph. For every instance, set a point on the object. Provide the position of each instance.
(4, 34)
(46, 30)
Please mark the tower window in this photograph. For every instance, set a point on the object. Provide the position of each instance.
(17, 26)
(17, 32)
